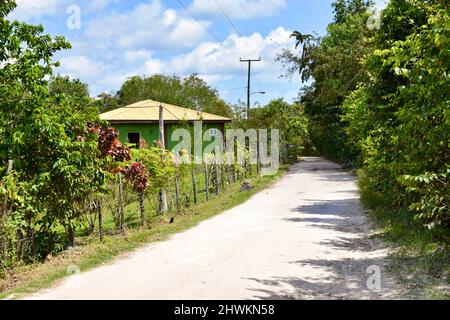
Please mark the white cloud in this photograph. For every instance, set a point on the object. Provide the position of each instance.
(113, 76)
(239, 9)
(97, 5)
(218, 64)
(215, 62)
(186, 32)
(216, 78)
(34, 8)
(170, 16)
(111, 81)
(131, 56)
(154, 66)
(212, 58)
(80, 67)
(148, 24)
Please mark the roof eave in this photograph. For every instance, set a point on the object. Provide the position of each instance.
(165, 121)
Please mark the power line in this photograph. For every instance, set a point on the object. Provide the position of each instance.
(170, 112)
(228, 18)
(198, 21)
(251, 46)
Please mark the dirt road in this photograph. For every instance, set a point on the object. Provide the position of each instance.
(303, 238)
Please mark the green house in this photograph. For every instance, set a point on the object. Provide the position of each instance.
(138, 123)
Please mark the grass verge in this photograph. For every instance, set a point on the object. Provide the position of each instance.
(419, 257)
(90, 253)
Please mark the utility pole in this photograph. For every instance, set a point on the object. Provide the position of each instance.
(162, 194)
(249, 61)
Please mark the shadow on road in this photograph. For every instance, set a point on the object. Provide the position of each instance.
(347, 280)
(347, 277)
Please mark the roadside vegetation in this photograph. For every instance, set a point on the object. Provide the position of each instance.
(71, 193)
(376, 98)
(380, 102)
(91, 252)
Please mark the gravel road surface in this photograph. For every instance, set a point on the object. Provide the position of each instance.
(306, 237)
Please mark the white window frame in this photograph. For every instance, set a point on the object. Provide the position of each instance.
(213, 132)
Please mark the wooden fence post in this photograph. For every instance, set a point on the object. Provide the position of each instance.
(100, 219)
(177, 193)
(122, 206)
(222, 166)
(258, 150)
(216, 173)
(163, 197)
(142, 209)
(222, 175)
(245, 168)
(10, 167)
(261, 151)
(206, 181)
(194, 183)
(250, 171)
(70, 231)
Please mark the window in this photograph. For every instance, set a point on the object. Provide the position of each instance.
(135, 138)
(213, 132)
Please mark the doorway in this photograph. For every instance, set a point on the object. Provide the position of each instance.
(134, 138)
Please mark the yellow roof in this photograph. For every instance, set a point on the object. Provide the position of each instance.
(148, 110)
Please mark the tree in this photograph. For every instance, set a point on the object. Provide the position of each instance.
(344, 8)
(399, 120)
(137, 174)
(156, 168)
(63, 85)
(107, 102)
(190, 92)
(48, 138)
(334, 64)
(199, 96)
(290, 119)
(380, 102)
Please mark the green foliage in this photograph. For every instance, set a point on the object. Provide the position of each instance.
(433, 201)
(344, 8)
(398, 130)
(380, 101)
(64, 157)
(63, 85)
(398, 121)
(48, 138)
(107, 102)
(160, 166)
(334, 62)
(288, 118)
(190, 92)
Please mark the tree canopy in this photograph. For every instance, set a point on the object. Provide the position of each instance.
(190, 92)
(63, 85)
(379, 100)
(45, 132)
(334, 63)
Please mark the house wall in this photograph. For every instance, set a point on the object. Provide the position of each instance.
(150, 132)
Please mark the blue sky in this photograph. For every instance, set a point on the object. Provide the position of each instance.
(117, 39)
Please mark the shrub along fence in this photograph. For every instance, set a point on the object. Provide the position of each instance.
(130, 197)
(131, 202)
